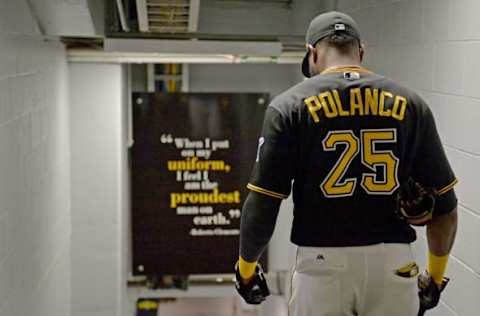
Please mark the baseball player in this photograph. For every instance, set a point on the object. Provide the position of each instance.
(365, 161)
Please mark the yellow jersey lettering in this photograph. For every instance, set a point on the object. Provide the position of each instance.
(356, 102)
(383, 96)
(329, 107)
(313, 105)
(399, 108)
(338, 101)
(371, 101)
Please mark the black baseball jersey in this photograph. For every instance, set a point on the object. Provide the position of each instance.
(346, 140)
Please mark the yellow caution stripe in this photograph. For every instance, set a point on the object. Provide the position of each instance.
(447, 188)
(266, 192)
(147, 305)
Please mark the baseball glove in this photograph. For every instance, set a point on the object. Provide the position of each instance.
(415, 203)
(429, 292)
(256, 290)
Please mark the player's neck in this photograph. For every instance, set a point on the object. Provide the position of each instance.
(338, 61)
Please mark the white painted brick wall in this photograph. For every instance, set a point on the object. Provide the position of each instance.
(433, 46)
(98, 184)
(34, 169)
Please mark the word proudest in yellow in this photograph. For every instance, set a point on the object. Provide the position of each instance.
(363, 102)
(214, 197)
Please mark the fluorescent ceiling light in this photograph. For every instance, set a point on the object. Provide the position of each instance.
(147, 58)
(92, 56)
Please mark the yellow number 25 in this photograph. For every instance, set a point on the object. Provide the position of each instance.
(379, 161)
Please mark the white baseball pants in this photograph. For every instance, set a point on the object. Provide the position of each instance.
(354, 281)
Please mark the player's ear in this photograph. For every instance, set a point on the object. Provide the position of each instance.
(312, 54)
(362, 51)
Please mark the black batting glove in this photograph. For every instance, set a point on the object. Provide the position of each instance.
(429, 292)
(256, 290)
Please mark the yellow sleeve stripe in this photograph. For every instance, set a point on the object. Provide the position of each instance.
(447, 188)
(266, 192)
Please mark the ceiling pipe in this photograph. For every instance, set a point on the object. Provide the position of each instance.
(142, 13)
(193, 15)
(121, 14)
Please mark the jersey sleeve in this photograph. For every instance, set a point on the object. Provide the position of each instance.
(273, 170)
(431, 167)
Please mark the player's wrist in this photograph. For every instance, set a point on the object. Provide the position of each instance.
(255, 289)
(246, 269)
(437, 265)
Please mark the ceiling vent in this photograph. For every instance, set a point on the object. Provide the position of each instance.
(168, 16)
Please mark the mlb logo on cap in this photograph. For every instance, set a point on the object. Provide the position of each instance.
(339, 27)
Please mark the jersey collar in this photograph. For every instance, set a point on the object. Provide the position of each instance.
(345, 69)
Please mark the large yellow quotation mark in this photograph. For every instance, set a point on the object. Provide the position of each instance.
(376, 160)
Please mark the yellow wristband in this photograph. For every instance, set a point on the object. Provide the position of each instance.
(437, 267)
(247, 269)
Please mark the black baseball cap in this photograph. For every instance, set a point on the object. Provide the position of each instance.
(327, 24)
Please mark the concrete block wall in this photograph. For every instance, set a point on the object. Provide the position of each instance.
(433, 46)
(34, 169)
(99, 193)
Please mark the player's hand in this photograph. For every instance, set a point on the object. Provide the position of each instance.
(429, 292)
(254, 291)
(415, 203)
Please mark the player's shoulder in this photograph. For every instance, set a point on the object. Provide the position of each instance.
(415, 101)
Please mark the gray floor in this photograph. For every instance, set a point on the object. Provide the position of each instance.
(203, 307)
